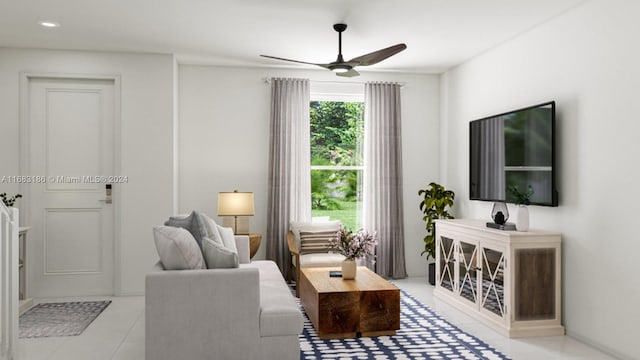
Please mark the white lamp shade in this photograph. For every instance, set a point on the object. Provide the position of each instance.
(235, 204)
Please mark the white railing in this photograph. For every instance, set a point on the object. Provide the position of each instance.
(8, 282)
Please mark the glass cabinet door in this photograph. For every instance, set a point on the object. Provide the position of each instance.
(446, 266)
(493, 264)
(467, 271)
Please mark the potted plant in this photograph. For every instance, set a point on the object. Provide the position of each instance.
(353, 246)
(9, 201)
(436, 200)
(522, 200)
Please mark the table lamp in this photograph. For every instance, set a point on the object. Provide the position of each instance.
(236, 204)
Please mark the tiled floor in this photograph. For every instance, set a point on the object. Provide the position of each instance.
(118, 333)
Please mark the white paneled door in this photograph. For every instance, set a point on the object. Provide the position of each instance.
(71, 157)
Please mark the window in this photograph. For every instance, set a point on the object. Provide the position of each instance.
(337, 133)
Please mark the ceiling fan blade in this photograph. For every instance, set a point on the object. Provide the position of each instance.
(350, 73)
(296, 61)
(377, 56)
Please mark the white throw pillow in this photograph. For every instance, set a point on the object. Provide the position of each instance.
(212, 229)
(177, 248)
(296, 227)
(228, 239)
(218, 256)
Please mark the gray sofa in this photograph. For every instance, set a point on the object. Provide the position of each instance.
(242, 313)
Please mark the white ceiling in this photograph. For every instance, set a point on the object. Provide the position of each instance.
(439, 34)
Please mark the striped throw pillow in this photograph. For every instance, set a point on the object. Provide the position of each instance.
(312, 242)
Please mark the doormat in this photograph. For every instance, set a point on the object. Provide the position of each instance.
(59, 319)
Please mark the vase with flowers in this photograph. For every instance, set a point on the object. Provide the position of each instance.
(353, 246)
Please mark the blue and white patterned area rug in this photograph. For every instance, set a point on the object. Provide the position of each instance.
(59, 319)
(423, 334)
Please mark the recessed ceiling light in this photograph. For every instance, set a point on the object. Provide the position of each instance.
(49, 24)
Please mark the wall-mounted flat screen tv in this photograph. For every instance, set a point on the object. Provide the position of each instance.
(516, 148)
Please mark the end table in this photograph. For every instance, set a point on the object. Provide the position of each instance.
(254, 243)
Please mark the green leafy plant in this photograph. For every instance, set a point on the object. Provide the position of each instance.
(321, 187)
(337, 131)
(322, 201)
(9, 201)
(521, 198)
(436, 200)
(350, 185)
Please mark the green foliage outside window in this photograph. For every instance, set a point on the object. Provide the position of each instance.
(322, 184)
(337, 132)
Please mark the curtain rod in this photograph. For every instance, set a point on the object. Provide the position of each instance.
(268, 81)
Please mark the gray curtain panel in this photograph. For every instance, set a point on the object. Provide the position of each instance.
(289, 197)
(383, 202)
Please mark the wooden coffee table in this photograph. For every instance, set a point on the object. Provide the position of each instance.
(366, 306)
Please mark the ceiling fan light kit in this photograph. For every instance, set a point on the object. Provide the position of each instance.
(339, 68)
(346, 68)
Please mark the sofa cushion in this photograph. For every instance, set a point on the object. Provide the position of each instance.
(193, 223)
(320, 260)
(267, 269)
(177, 248)
(218, 256)
(279, 313)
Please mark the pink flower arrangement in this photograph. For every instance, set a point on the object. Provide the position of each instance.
(354, 246)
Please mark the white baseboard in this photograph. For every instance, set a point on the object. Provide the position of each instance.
(25, 305)
(594, 344)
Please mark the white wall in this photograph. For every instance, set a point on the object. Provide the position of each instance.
(224, 140)
(146, 140)
(587, 60)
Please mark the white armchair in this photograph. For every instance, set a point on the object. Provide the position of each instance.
(302, 259)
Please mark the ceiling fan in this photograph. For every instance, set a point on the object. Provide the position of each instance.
(346, 68)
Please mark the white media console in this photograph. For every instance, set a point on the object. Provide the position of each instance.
(509, 280)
